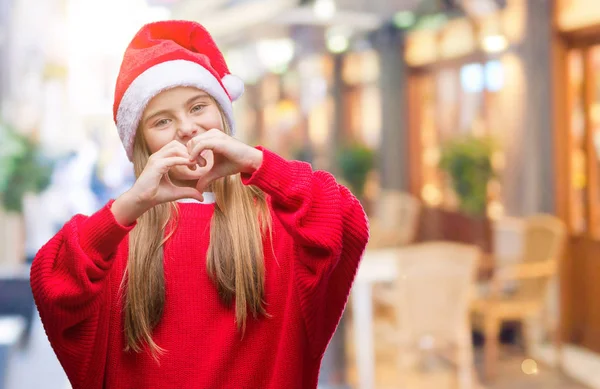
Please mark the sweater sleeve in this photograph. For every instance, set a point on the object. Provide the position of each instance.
(330, 231)
(69, 281)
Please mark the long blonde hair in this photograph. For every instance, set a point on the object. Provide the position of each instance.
(234, 261)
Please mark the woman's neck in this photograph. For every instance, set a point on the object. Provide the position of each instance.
(209, 198)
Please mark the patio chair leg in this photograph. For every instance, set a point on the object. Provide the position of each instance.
(491, 347)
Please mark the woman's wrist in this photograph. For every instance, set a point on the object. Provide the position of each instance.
(255, 161)
(127, 208)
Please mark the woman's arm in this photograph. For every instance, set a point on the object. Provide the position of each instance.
(69, 280)
(330, 231)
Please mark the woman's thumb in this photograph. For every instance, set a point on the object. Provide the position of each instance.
(205, 181)
(190, 193)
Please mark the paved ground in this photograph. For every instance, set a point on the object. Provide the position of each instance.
(511, 376)
(36, 367)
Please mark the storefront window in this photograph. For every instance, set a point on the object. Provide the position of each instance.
(594, 118)
(432, 186)
(360, 74)
(590, 80)
(454, 101)
(494, 76)
(447, 104)
(583, 67)
(472, 88)
(578, 174)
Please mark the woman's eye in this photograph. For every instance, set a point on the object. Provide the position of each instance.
(162, 122)
(197, 108)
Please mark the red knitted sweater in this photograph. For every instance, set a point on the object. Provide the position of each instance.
(319, 234)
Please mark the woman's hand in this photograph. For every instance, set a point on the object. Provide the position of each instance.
(154, 187)
(222, 155)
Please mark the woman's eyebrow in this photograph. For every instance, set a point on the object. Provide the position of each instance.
(188, 102)
(161, 112)
(198, 96)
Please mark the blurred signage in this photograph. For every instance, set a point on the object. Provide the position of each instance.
(458, 39)
(479, 8)
(361, 68)
(513, 21)
(421, 48)
(576, 14)
(162, 3)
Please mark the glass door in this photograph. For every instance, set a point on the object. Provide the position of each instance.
(594, 138)
(584, 140)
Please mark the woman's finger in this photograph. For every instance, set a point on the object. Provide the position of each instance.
(169, 152)
(209, 160)
(169, 162)
(209, 137)
(209, 144)
(204, 181)
(179, 193)
(174, 145)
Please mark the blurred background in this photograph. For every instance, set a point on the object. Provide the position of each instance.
(469, 130)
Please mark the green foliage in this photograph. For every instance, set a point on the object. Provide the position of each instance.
(23, 168)
(355, 162)
(468, 163)
(303, 153)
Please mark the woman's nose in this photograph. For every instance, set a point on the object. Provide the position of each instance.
(188, 130)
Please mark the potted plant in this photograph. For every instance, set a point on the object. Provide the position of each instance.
(23, 169)
(355, 161)
(468, 163)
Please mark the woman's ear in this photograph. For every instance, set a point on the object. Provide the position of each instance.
(224, 123)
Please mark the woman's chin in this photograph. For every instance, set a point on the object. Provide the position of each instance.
(183, 173)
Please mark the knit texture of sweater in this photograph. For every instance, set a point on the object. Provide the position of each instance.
(319, 234)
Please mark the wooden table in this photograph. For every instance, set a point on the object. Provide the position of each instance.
(376, 266)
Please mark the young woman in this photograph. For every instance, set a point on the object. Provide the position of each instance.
(224, 265)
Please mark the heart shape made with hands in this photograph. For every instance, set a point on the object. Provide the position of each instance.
(203, 167)
(218, 155)
(195, 169)
(209, 161)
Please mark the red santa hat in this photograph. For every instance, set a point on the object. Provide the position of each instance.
(164, 55)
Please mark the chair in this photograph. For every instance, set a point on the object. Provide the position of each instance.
(544, 238)
(508, 235)
(431, 300)
(395, 223)
(396, 220)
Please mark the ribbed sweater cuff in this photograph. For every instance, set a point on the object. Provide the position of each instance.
(101, 234)
(276, 175)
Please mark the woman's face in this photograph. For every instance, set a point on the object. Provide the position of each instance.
(180, 113)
